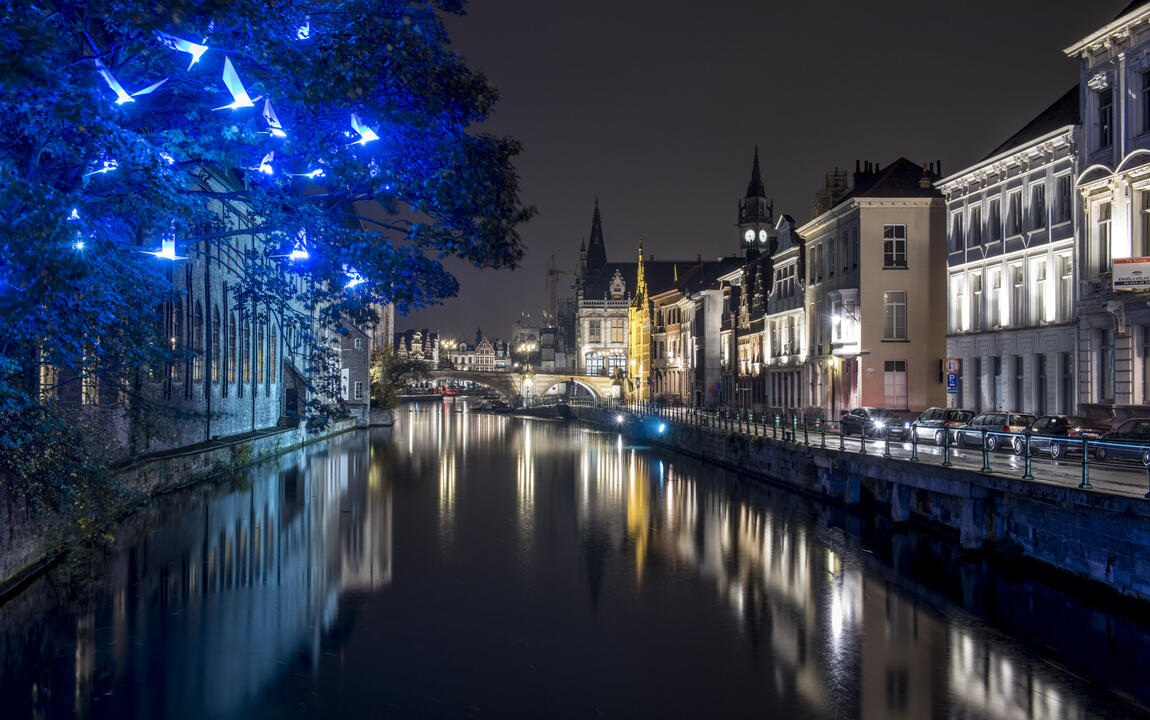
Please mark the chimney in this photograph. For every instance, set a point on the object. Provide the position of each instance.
(856, 165)
(938, 164)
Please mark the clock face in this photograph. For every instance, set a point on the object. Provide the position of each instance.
(762, 236)
(749, 236)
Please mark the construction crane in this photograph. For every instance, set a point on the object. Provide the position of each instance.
(553, 274)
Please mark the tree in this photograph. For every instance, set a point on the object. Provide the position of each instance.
(392, 372)
(336, 178)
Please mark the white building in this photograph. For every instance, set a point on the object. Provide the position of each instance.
(1011, 318)
(1113, 369)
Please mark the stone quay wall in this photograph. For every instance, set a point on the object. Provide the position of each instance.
(29, 543)
(1094, 536)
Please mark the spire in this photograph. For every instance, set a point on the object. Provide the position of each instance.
(596, 250)
(640, 279)
(755, 187)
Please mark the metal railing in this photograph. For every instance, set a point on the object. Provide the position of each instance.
(1083, 460)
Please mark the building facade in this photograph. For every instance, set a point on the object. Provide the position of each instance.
(875, 270)
(1113, 358)
(1011, 312)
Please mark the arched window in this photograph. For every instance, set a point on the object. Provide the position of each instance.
(259, 352)
(245, 358)
(216, 343)
(198, 343)
(176, 341)
(273, 346)
(233, 356)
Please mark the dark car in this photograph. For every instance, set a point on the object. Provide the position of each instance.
(1131, 439)
(876, 423)
(1058, 434)
(934, 423)
(995, 424)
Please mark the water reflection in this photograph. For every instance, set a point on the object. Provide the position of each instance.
(557, 555)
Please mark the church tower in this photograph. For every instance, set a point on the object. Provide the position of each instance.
(596, 250)
(756, 214)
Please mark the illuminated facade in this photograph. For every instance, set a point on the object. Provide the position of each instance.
(875, 264)
(639, 338)
(1113, 359)
(1011, 316)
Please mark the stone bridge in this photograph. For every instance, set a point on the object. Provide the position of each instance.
(518, 386)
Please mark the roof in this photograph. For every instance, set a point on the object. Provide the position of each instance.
(755, 186)
(899, 179)
(1064, 111)
(660, 276)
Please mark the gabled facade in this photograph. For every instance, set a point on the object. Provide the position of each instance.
(875, 267)
(1011, 313)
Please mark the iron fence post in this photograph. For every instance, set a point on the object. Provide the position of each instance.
(806, 433)
(1027, 475)
(914, 444)
(822, 434)
(886, 444)
(1085, 484)
(985, 453)
(946, 448)
(842, 438)
(794, 428)
(862, 439)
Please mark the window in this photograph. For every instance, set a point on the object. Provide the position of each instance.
(855, 259)
(273, 345)
(1040, 401)
(831, 257)
(819, 261)
(1146, 101)
(846, 252)
(976, 372)
(811, 265)
(617, 327)
(894, 314)
(1043, 301)
(994, 221)
(594, 364)
(594, 331)
(956, 237)
(894, 244)
(1065, 288)
(259, 352)
(1067, 382)
(974, 232)
(999, 401)
(1106, 365)
(616, 361)
(215, 349)
(894, 384)
(957, 299)
(1065, 198)
(1105, 118)
(1019, 382)
(245, 358)
(49, 379)
(359, 390)
(1014, 214)
(993, 316)
(1017, 295)
(232, 358)
(1102, 232)
(89, 383)
(1037, 206)
(1145, 363)
(976, 302)
(1142, 248)
(359, 343)
(177, 339)
(198, 343)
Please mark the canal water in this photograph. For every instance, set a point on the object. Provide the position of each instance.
(474, 565)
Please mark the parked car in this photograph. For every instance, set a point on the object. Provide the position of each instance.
(1047, 431)
(994, 423)
(1131, 439)
(935, 422)
(876, 423)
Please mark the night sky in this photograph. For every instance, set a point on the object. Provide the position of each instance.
(655, 108)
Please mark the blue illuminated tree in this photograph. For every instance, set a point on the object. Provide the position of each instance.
(315, 145)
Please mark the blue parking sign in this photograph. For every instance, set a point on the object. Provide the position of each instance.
(952, 382)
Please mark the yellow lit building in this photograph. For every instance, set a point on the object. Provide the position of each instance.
(639, 337)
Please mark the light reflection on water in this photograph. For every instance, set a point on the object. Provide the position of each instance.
(347, 577)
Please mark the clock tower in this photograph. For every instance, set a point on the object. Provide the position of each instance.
(756, 215)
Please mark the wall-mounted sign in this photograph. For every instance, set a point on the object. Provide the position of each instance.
(1132, 273)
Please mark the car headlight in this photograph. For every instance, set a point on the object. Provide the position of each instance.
(879, 424)
(906, 426)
